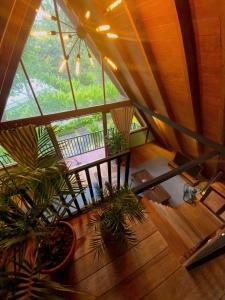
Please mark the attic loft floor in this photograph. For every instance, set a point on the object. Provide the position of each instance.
(148, 270)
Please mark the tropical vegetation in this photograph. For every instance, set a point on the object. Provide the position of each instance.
(42, 57)
(116, 210)
(31, 208)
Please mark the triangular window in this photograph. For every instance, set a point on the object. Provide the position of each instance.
(56, 86)
(21, 103)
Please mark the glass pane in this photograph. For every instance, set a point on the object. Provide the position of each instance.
(42, 57)
(113, 93)
(135, 124)
(110, 123)
(20, 103)
(88, 84)
(78, 126)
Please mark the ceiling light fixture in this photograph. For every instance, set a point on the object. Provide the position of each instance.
(80, 35)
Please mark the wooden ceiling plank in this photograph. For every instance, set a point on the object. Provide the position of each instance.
(154, 79)
(190, 56)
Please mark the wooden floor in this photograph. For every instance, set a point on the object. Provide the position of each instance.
(147, 152)
(148, 270)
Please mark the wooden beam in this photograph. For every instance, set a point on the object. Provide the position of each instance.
(15, 34)
(198, 137)
(47, 119)
(147, 185)
(154, 81)
(64, 52)
(31, 87)
(190, 56)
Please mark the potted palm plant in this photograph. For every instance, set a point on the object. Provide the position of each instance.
(115, 212)
(31, 232)
(115, 142)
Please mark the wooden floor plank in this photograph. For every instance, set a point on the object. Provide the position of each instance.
(144, 279)
(179, 286)
(123, 266)
(210, 277)
(88, 264)
(147, 271)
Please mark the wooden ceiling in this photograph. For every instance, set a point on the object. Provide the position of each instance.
(170, 58)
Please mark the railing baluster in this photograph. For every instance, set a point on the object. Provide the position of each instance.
(77, 175)
(72, 193)
(100, 180)
(90, 184)
(118, 171)
(78, 143)
(127, 169)
(109, 172)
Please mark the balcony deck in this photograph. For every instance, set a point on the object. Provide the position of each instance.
(88, 157)
(148, 270)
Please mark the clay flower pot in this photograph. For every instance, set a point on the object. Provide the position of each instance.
(69, 256)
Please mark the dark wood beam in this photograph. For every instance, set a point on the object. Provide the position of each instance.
(195, 135)
(47, 119)
(16, 32)
(147, 185)
(189, 45)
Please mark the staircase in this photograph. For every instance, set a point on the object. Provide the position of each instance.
(185, 228)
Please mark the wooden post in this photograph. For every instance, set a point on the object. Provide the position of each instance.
(105, 131)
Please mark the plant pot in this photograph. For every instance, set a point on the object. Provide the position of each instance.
(68, 257)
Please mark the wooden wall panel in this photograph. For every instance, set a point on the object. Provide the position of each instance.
(207, 18)
(159, 22)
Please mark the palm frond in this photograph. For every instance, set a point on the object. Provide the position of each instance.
(27, 284)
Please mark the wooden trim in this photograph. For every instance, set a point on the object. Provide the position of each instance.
(64, 52)
(200, 138)
(190, 56)
(47, 119)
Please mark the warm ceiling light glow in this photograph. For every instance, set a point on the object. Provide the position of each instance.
(67, 37)
(44, 14)
(91, 59)
(112, 35)
(111, 63)
(88, 14)
(63, 64)
(52, 32)
(39, 33)
(103, 28)
(113, 5)
(77, 65)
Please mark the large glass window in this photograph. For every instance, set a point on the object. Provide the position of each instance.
(137, 122)
(78, 126)
(20, 103)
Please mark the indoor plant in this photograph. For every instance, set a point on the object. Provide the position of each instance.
(115, 142)
(29, 214)
(115, 212)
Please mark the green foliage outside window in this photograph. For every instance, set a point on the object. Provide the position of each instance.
(42, 57)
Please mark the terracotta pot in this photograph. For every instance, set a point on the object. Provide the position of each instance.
(69, 256)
